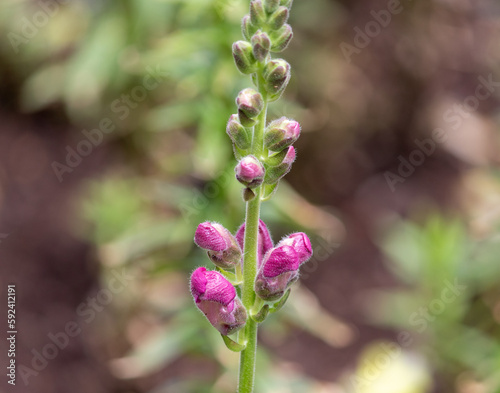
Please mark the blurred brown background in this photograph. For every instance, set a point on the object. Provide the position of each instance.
(113, 149)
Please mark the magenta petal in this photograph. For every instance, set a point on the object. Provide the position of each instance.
(218, 289)
(301, 244)
(208, 236)
(290, 156)
(265, 242)
(292, 129)
(216, 298)
(240, 236)
(198, 283)
(280, 260)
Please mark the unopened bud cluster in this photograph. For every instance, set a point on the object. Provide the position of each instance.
(265, 30)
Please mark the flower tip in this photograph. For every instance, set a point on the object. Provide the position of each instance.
(198, 283)
(293, 129)
(280, 260)
(250, 171)
(209, 235)
(301, 244)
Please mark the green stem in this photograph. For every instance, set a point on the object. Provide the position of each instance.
(248, 356)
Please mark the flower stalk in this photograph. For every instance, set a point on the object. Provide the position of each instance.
(265, 155)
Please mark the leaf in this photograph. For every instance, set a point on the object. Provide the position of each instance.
(261, 315)
(281, 302)
(232, 345)
(268, 191)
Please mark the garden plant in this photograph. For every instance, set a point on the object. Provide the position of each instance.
(252, 276)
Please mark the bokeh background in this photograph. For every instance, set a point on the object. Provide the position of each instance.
(113, 149)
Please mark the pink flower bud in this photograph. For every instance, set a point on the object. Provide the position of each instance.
(221, 246)
(301, 244)
(250, 171)
(264, 240)
(216, 298)
(278, 271)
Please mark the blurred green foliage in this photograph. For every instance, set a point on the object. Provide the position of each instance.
(95, 59)
(448, 305)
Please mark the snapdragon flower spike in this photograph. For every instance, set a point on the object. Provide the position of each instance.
(279, 269)
(264, 240)
(222, 248)
(216, 298)
(281, 133)
(277, 172)
(250, 172)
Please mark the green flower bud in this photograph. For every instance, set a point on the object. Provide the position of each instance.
(250, 102)
(286, 3)
(247, 28)
(243, 57)
(275, 173)
(257, 13)
(271, 5)
(261, 45)
(280, 134)
(245, 120)
(277, 75)
(240, 136)
(278, 18)
(281, 38)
